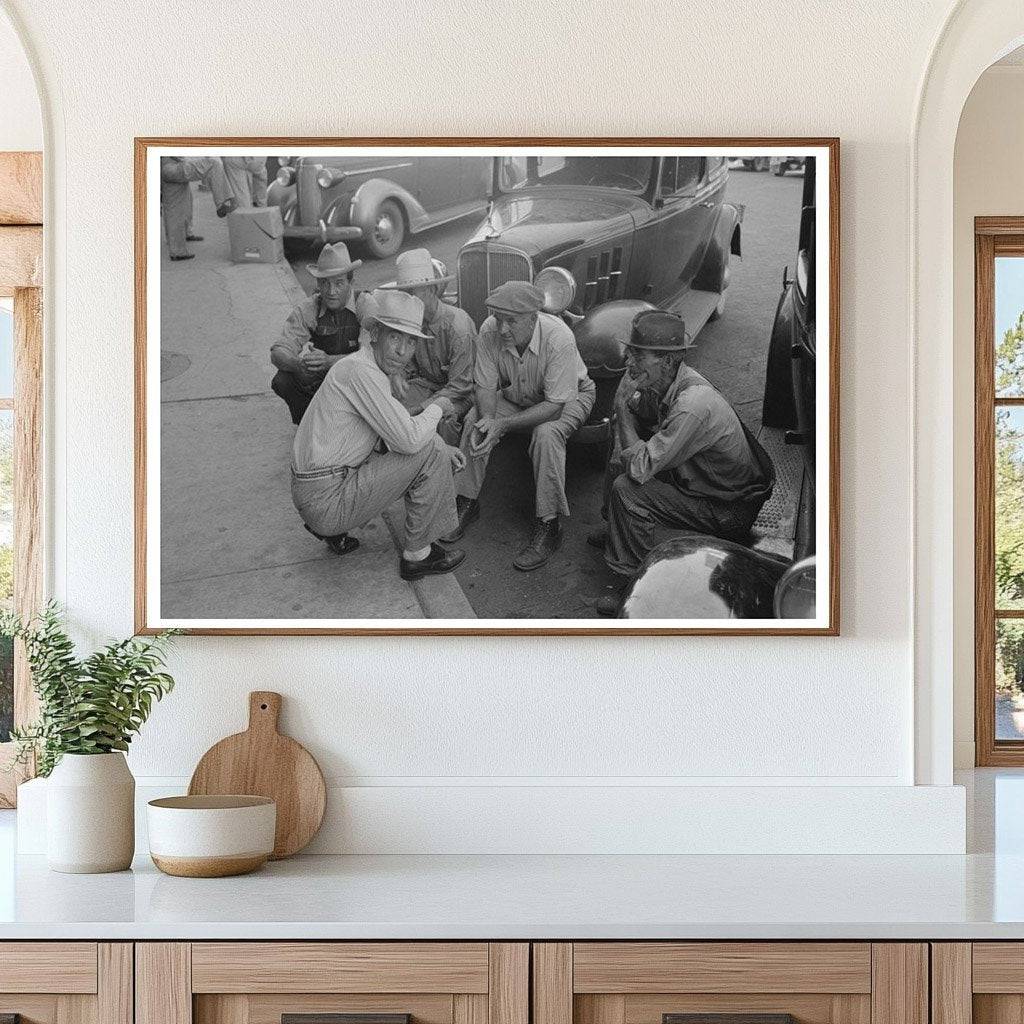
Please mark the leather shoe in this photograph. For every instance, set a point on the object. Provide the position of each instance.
(227, 206)
(468, 510)
(193, 238)
(185, 256)
(339, 543)
(438, 561)
(546, 540)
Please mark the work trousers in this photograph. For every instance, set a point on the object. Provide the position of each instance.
(297, 396)
(641, 516)
(176, 195)
(547, 452)
(333, 501)
(450, 427)
(247, 179)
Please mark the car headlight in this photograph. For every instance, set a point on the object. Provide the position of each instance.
(325, 177)
(559, 288)
(285, 175)
(795, 593)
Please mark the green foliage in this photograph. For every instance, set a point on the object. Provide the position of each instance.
(1009, 466)
(91, 705)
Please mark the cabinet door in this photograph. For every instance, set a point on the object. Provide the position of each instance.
(981, 982)
(332, 983)
(748, 982)
(66, 982)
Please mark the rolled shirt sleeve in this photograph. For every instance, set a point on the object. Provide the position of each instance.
(561, 376)
(370, 395)
(675, 443)
(295, 332)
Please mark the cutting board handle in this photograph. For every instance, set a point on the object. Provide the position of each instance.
(264, 710)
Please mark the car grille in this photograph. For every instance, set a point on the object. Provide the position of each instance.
(482, 270)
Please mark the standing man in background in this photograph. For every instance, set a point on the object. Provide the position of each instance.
(176, 175)
(247, 178)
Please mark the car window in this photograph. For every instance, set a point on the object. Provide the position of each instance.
(668, 176)
(629, 173)
(689, 173)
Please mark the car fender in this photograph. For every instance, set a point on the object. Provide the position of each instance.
(778, 408)
(725, 240)
(367, 198)
(280, 195)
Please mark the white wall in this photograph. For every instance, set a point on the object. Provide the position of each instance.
(491, 712)
(21, 125)
(988, 181)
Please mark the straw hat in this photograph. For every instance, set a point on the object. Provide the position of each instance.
(333, 261)
(416, 269)
(398, 310)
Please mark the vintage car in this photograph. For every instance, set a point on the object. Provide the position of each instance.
(791, 374)
(778, 165)
(373, 200)
(604, 237)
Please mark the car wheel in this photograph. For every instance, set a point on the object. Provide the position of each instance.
(388, 232)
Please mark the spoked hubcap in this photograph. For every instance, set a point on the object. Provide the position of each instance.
(385, 228)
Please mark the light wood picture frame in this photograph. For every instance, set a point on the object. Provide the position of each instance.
(188, 539)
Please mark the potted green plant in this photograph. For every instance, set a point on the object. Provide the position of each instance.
(89, 710)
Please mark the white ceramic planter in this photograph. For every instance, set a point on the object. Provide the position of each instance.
(90, 814)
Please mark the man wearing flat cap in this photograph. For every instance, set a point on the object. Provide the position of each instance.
(319, 331)
(683, 460)
(443, 363)
(529, 378)
(358, 449)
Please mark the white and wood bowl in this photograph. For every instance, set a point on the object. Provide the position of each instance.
(211, 836)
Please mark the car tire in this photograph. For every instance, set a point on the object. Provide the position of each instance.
(778, 407)
(388, 231)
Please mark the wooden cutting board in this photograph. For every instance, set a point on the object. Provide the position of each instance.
(262, 762)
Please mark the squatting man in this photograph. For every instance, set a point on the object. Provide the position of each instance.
(358, 449)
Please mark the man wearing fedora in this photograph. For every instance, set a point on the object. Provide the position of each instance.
(529, 378)
(683, 458)
(319, 331)
(443, 363)
(358, 449)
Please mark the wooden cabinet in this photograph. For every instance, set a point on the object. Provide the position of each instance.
(979, 982)
(815, 982)
(260, 982)
(66, 982)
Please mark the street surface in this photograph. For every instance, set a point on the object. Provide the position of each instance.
(731, 353)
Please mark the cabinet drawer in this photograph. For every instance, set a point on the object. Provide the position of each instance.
(736, 982)
(635, 967)
(340, 967)
(262, 982)
(48, 967)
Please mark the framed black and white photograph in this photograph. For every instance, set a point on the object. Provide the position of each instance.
(505, 386)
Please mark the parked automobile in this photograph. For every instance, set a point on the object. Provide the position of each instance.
(694, 576)
(755, 163)
(377, 201)
(778, 165)
(605, 237)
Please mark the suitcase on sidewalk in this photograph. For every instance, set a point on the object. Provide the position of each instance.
(256, 235)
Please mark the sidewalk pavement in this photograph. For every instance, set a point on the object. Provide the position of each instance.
(232, 544)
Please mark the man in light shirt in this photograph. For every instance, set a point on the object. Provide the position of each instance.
(530, 379)
(358, 449)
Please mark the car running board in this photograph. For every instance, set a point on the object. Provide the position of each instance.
(695, 307)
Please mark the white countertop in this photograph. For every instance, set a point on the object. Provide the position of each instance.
(532, 897)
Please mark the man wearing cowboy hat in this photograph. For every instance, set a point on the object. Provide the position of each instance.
(319, 331)
(443, 363)
(358, 449)
(683, 459)
(529, 379)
